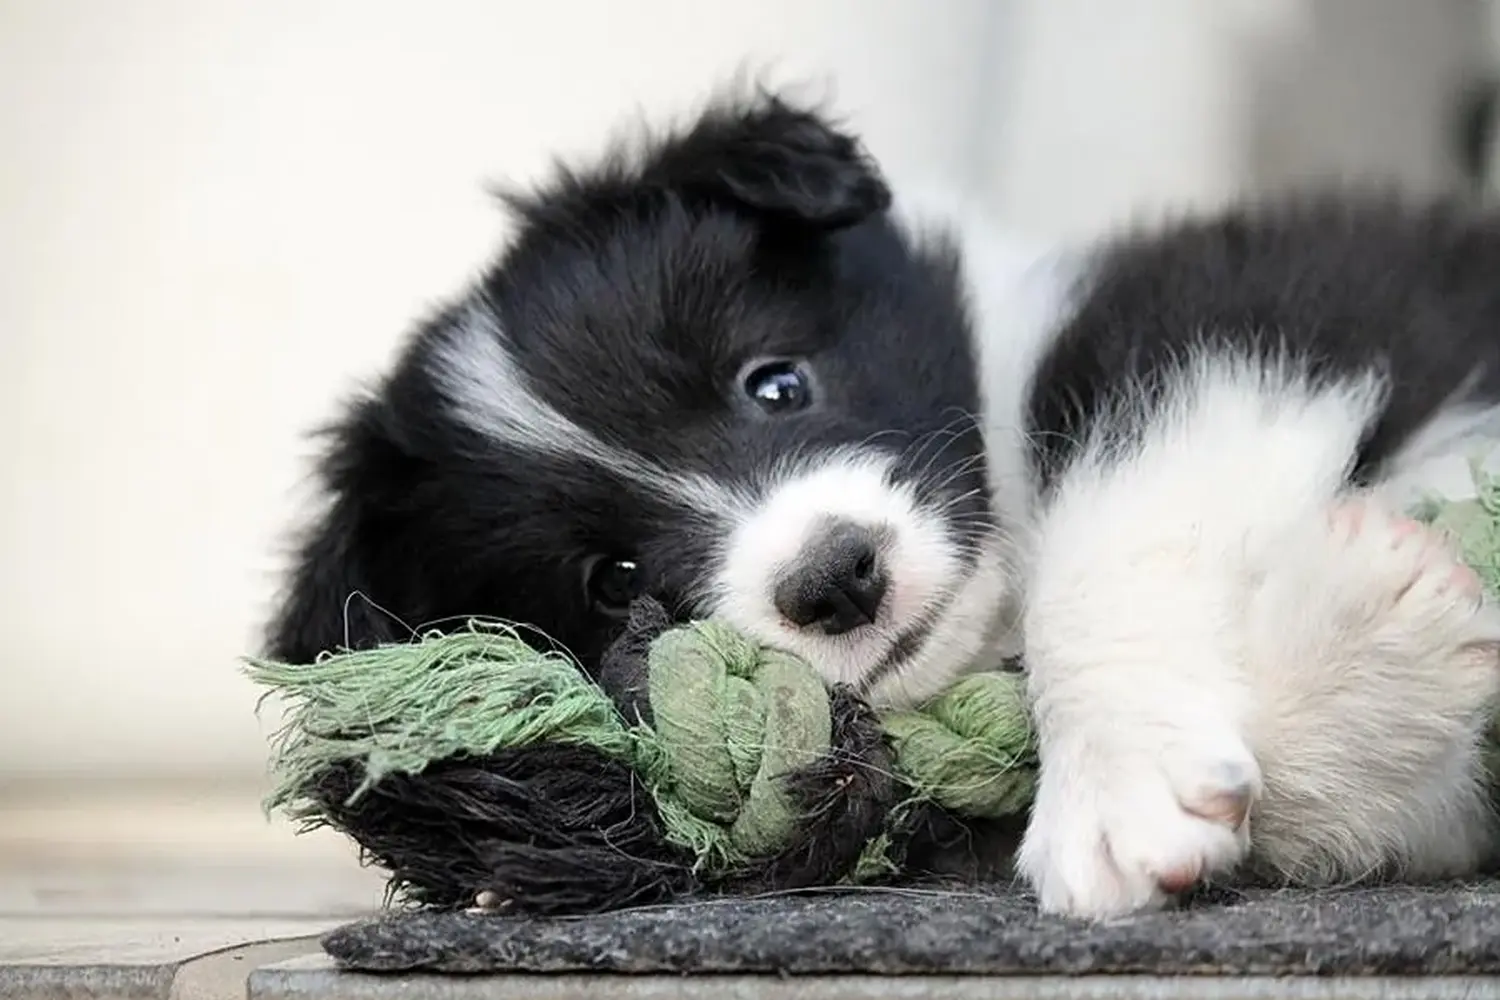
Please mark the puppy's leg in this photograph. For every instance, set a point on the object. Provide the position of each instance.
(1145, 554)
(1373, 651)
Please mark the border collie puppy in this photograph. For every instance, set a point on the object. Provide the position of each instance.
(724, 368)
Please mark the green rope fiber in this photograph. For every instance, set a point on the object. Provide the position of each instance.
(397, 708)
(731, 717)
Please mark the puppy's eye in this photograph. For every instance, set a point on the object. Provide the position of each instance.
(778, 386)
(613, 584)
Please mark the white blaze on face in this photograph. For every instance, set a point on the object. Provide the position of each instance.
(922, 563)
(488, 391)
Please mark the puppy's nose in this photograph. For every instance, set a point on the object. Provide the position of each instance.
(838, 581)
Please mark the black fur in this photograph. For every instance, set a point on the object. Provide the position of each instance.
(778, 164)
(1342, 283)
(623, 669)
(631, 299)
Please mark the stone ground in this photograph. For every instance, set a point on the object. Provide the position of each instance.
(186, 894)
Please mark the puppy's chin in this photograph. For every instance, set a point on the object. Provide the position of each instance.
(975, 630)
(943, 611)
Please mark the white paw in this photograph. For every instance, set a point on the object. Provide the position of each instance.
(1119, 827)
(1373, 654)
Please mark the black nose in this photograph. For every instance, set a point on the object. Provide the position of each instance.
(838, 581)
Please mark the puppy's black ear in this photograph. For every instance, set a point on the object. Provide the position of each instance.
(331, 600)
(786, 163)
(326, 605)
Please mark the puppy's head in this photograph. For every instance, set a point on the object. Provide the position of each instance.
(712, 370)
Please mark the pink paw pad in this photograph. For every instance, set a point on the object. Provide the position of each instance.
(1434, 564)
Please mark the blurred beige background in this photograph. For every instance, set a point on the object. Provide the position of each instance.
(216, 216)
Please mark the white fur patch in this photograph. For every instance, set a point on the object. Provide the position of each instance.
(1020, 294)
(976, 631)
(1190, 656)
(922, 562)
(489, 392)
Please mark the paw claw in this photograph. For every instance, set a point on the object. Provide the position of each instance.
(1417, 561)
(1179, 880)
(1404, 528)
(1465, 581)
(1229, 806)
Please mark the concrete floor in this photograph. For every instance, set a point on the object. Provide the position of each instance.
(161, 892)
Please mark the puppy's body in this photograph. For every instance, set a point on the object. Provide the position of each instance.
(1223, 606)
(727, 372)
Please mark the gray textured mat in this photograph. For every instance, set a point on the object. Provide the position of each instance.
(1396, 930)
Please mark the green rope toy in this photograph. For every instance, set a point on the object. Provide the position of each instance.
(471, 765)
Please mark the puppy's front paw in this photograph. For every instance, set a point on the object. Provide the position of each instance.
(1119, 827)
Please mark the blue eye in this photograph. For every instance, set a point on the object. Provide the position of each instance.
(778, 387)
